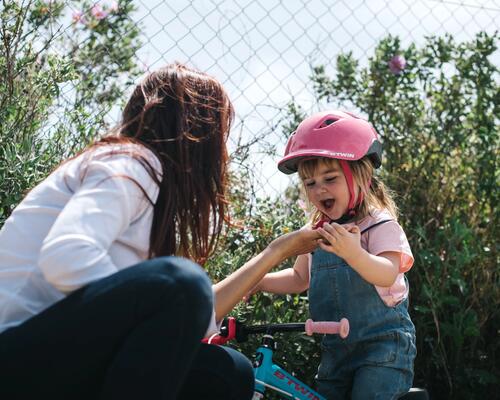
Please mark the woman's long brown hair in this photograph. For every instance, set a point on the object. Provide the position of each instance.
(183, 116)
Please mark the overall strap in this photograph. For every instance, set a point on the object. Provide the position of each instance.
(374, 225)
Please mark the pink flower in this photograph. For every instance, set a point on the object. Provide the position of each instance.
(397, 64)
(98, 13)
(79, 16)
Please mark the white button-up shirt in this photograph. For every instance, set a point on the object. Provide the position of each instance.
(86, 221)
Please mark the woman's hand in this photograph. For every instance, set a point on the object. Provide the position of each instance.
(241, 282)
(346, 243)
(295, 243)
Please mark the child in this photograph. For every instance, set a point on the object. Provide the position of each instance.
(358, 271)
(93, 305)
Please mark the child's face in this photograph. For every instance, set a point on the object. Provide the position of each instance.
(327, 189)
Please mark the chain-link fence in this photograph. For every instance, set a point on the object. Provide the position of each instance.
(263, 50)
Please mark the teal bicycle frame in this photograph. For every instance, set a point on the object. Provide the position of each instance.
(267, 374)
(272, 376)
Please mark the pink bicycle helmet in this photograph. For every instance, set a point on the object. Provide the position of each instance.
(333, 134)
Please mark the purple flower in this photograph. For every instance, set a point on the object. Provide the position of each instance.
(397, 64)
(98, 13)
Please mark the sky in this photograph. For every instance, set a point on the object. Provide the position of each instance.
(263, 50)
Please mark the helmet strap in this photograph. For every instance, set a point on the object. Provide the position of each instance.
(350, 185)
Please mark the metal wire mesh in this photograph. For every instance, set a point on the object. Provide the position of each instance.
(263, 51)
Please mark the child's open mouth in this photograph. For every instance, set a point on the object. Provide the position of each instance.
(328, 203)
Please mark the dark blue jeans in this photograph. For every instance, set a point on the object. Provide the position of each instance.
(133, 335)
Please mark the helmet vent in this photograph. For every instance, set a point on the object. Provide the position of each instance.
(327, 122)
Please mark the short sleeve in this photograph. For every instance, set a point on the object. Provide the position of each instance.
(390, 236)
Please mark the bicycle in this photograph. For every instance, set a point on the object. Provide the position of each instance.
(269, 375)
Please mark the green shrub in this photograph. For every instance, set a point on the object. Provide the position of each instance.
(58, 82)
(439, 123)
(438, 118)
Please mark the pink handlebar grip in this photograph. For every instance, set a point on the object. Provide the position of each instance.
(328, 327)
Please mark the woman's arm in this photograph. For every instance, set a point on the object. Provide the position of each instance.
(231, 290)
(103, 205)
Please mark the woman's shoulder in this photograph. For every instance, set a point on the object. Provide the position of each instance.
(111, 160)
(98, 164)
(124, 153)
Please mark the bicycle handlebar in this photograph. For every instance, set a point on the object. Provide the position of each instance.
(232, 329)
(328, 327)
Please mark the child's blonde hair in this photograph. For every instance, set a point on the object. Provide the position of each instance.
(375, 194)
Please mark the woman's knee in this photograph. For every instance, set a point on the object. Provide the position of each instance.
(189, 276)
(164, 284)
(182, 278)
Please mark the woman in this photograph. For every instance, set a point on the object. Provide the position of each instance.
(93, 301)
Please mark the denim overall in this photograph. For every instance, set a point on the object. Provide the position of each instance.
(376, 360)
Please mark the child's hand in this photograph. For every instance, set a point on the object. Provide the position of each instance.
(345, 243)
